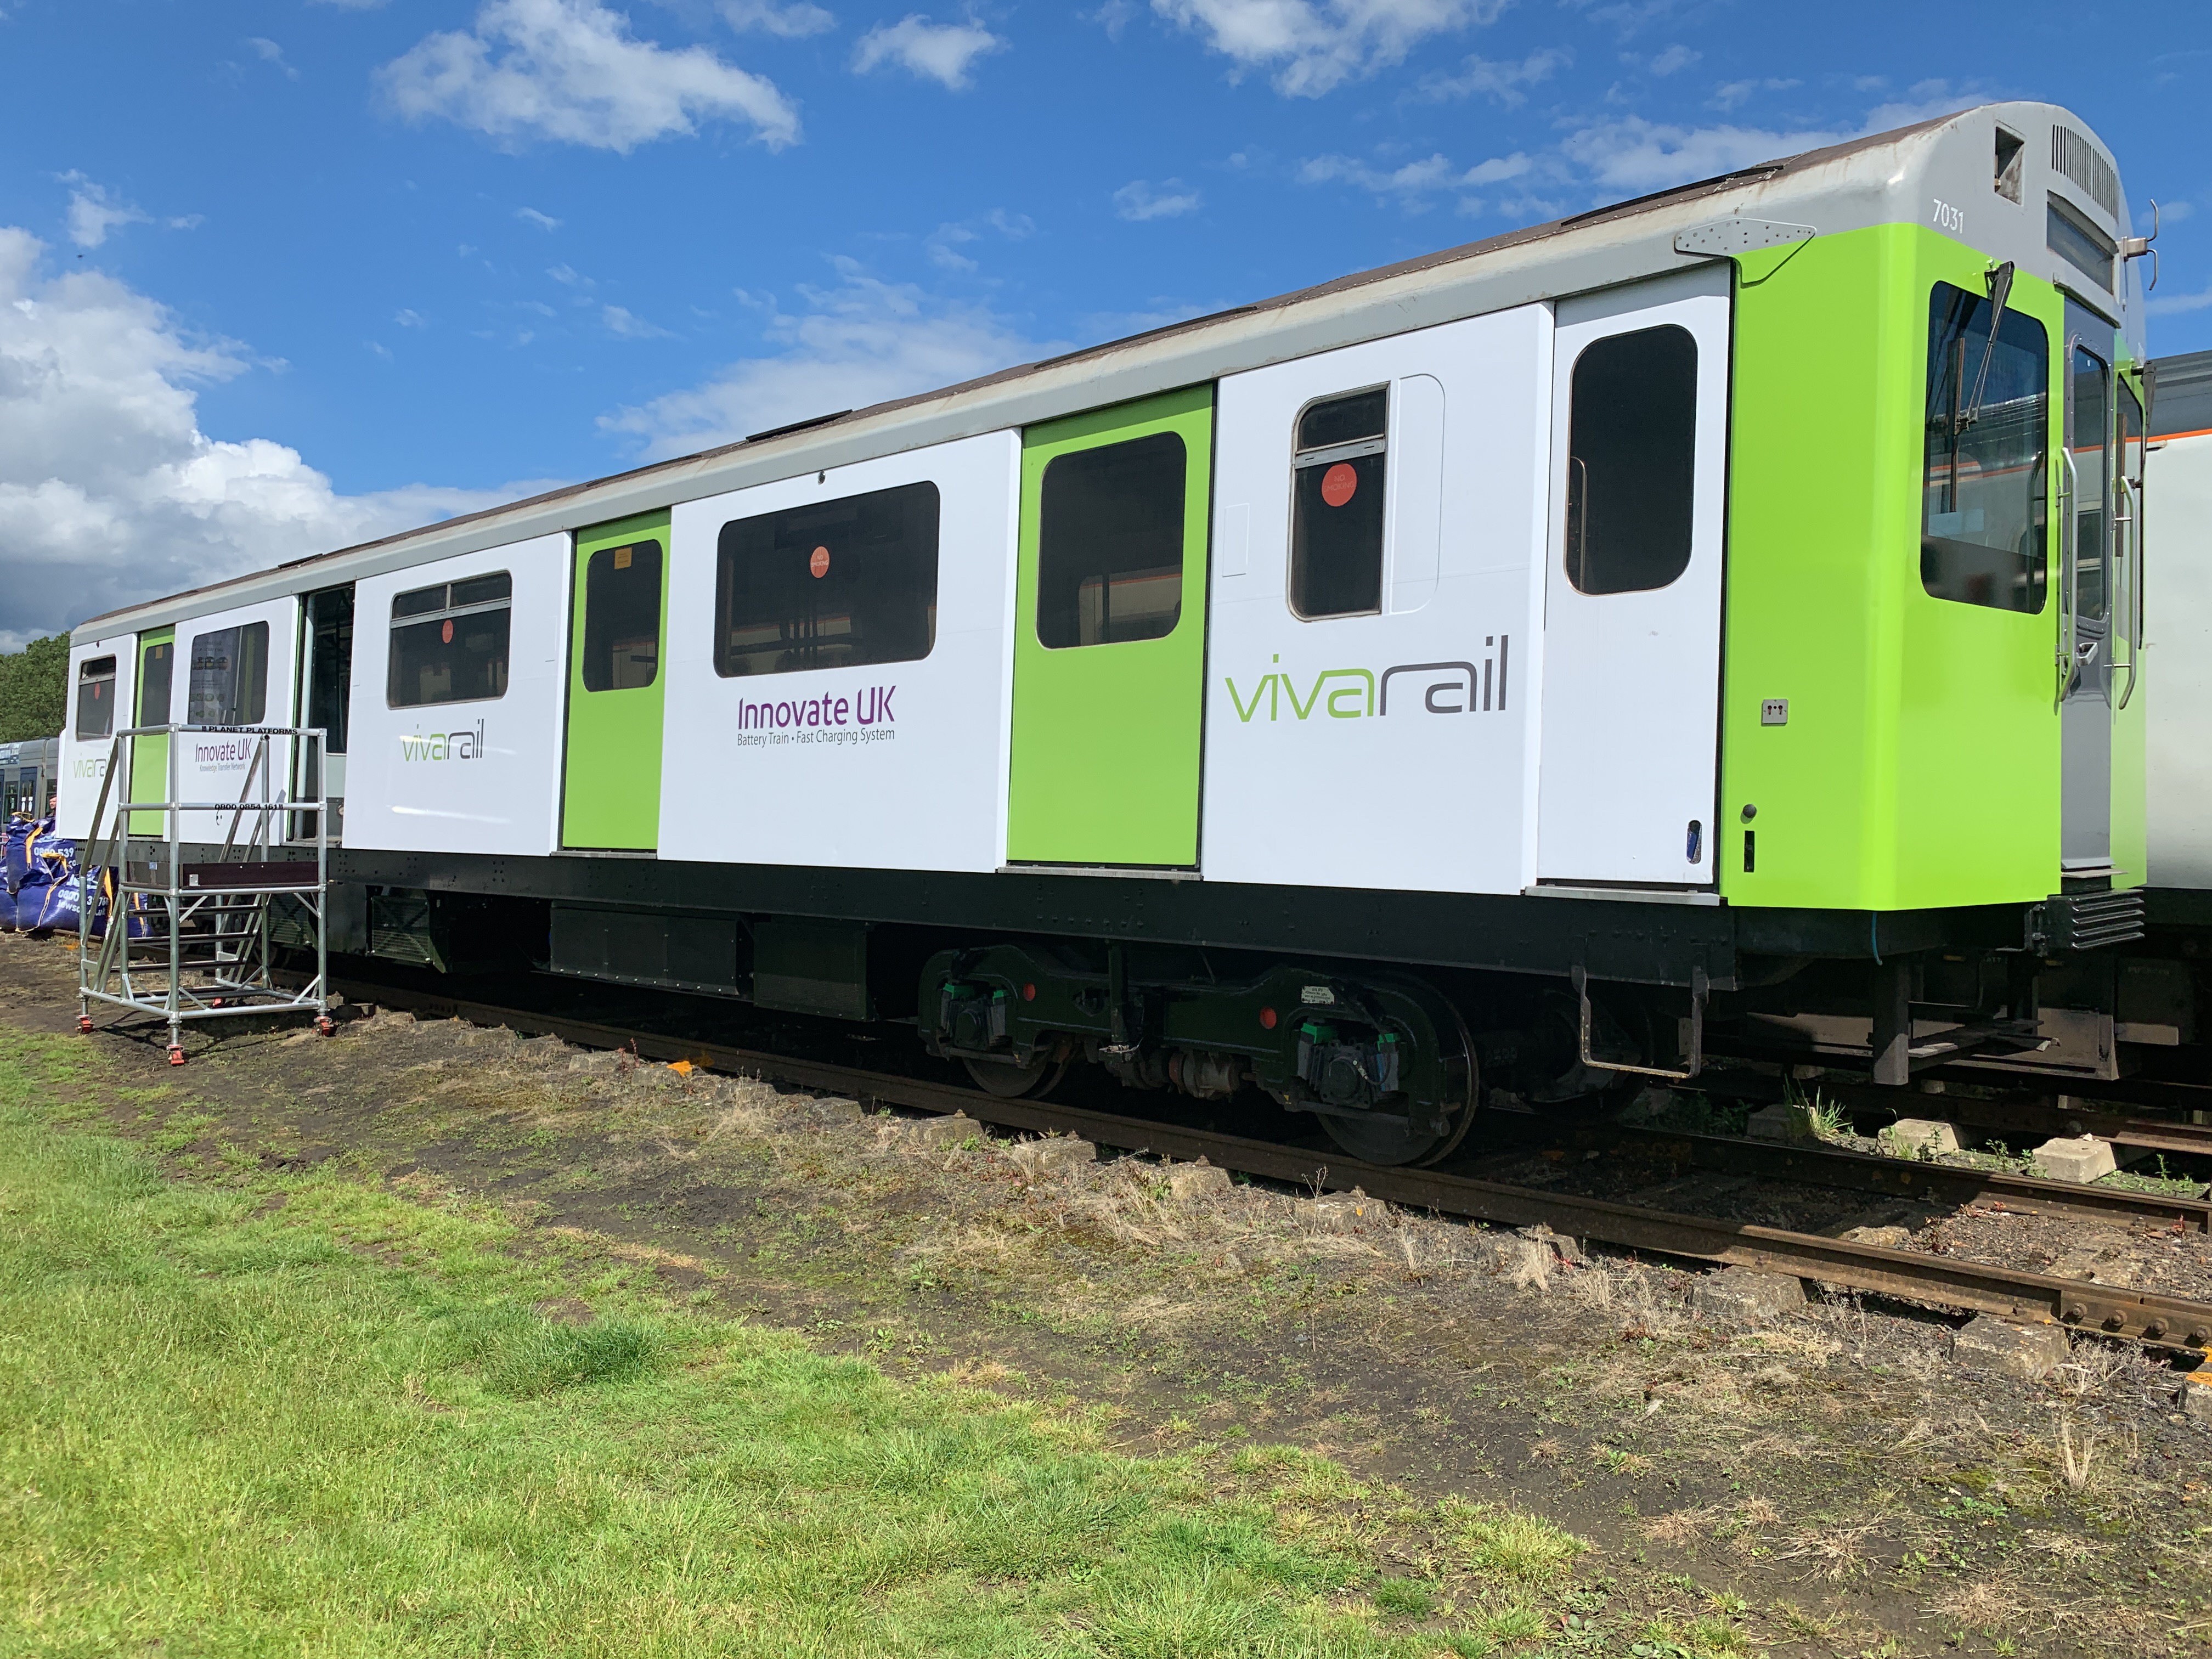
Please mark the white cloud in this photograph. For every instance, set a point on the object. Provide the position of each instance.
(542, 221)
(624, 325)
(795, 22)
(1137, 200)
(1500, 82)
(2175, 212)
(269, 52)
(1316, 45)
(942, 245)
(1633, 156)
(1674, 58)
(110, 492)
(94, 211)
(1730, 93)
(571, 71)
(934, 51)
(858, 343)
(1412, 185)
(1114, 16)
(409, 317)
(2174, 305)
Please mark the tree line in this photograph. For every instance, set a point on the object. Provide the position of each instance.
(34, 688)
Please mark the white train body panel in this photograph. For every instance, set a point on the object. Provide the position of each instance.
(1394, 751)
(214, 766)
(922, 786)
(476, 776)
(84, 759)
(2178, 659)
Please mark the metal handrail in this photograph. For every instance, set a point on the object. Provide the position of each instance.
(2128, 616)
(229, 939)
(2069, 554)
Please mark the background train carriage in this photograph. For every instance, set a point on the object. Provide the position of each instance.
(1711, 619)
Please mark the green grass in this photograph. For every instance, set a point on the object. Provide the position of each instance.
(304, 1414)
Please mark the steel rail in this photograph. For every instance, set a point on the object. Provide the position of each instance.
(1845, 1263)
(1891, 1177)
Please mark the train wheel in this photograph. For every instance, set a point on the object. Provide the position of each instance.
(1031, 1082)
(1399, 1144)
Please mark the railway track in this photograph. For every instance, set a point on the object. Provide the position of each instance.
(2170, 1322)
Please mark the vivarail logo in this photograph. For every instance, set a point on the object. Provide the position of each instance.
(464, 745)
(1351, 694)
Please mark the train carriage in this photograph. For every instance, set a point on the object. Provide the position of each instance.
(1709, 623)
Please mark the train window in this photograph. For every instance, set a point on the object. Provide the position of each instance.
(329, 678)
(1110, 543)
(622, 618)
(95, 697)
(1336, 505)
(1631, 453)
(229, 683)
(157, 667)
(449, 643)
(1982, 535)
(830, 585)
(2069, 233)
(2091, 443)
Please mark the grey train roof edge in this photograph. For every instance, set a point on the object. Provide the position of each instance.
(2182, 398)
(1884, 179)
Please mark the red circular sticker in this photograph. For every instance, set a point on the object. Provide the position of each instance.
(1338, 483)
(819, 564)
(446, 633)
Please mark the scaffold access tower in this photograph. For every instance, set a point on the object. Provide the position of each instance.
(176, 895)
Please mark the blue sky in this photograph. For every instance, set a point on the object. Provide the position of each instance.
(276, 275)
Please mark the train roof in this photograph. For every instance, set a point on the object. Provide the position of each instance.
(1883, 179)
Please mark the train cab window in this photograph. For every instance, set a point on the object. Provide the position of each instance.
(449, 643)
(830, 585)
(1983, 488)
(622, 618)
(1110, 543)
(157, 670)
(1631, 456)
(1336, 505)
(95, 697)
(229, 683)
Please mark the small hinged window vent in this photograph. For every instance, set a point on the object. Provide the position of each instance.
(2076, 158)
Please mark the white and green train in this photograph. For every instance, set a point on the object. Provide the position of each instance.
(1713, 622)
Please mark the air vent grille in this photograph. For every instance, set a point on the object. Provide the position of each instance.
(2077, 159)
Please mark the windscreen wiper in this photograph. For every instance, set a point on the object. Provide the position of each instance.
(1999, 282)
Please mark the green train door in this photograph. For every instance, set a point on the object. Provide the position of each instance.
(611, 780)
(149, 757)
(1109, 635)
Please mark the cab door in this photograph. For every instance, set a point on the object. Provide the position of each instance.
(149, 757)
(1629, 769)
(1110, 641)
(611, 788)
(2085, 621)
